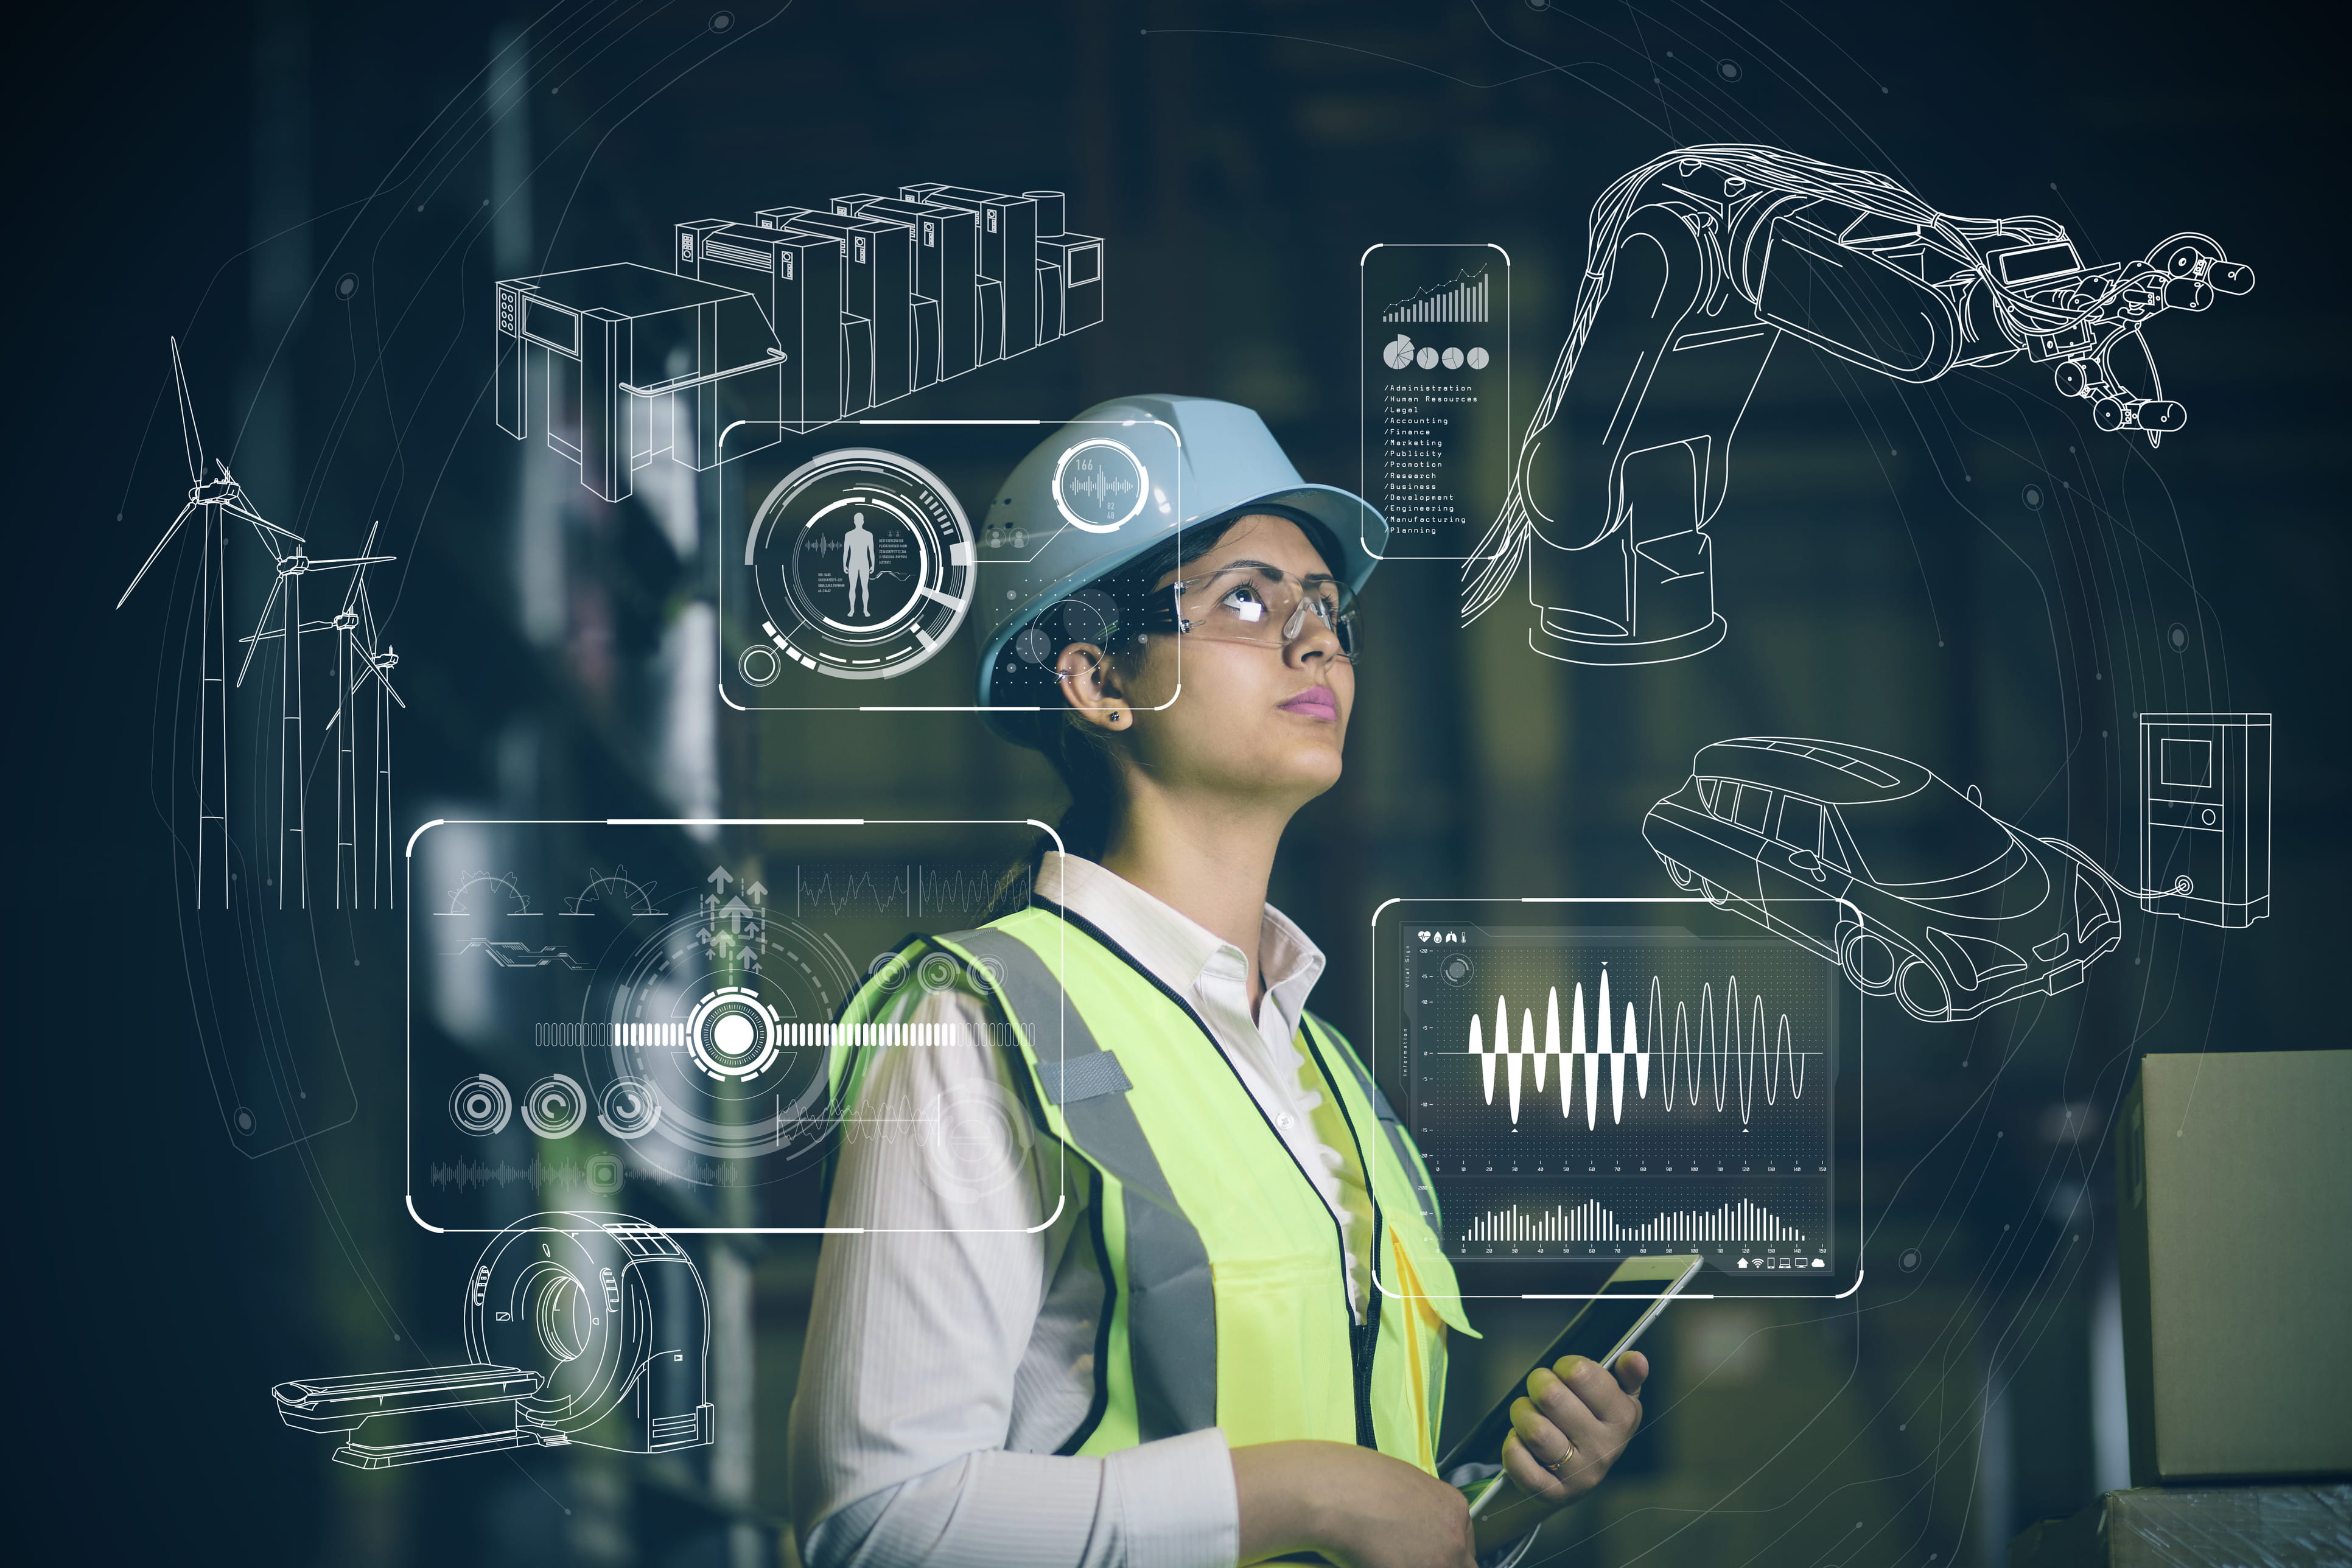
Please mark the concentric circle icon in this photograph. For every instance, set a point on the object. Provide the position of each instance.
(1100, 485)
(733, 1034)
(938, 971)
(627, 1107)
(862, 561)
(480, 1106)
(555, 1107)
(761, 664)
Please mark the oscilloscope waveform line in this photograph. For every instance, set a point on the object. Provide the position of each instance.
(1732, 1064)
(1592, 1221)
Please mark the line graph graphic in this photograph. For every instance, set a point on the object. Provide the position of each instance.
(1462, 298)
(1731, 1064)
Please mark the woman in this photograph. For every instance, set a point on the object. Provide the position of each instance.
(1171, 1290)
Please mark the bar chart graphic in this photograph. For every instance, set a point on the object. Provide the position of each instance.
(1745, 1222)
(1592, 1221)
(1460, 298)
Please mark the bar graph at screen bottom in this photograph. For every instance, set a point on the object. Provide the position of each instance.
(1750, 1225)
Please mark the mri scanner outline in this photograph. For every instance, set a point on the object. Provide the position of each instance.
(591, 1329)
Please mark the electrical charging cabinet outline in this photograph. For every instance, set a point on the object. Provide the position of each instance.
(2205, 816)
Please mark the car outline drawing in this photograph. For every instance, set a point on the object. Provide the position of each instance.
(1833, 846)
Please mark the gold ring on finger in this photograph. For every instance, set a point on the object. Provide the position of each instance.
(1556, 1464)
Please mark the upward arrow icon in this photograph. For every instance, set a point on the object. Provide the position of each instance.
(718, 879)
(758, 892)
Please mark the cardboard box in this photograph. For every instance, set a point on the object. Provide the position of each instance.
(2234, 1238)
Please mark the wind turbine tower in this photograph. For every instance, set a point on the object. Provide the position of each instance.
(357, 663)
(213, 501)
(286, 600)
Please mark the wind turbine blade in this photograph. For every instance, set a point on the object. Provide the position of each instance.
(190, 439)
(359, 578)
(322, 562)
(169, 534)
(261, 521)
(367, 615)
(255, 640)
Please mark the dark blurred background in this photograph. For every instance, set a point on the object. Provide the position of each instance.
(218, 173)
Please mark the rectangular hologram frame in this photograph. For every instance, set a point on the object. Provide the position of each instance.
(625, 999)
(1630, 1085)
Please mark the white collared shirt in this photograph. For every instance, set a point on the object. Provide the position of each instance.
(946, 1364)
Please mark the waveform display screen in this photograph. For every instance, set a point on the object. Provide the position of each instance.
(1606, 1092)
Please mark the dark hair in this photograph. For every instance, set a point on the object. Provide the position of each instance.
(1112, 613)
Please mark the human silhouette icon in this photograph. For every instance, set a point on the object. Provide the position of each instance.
(857, 561)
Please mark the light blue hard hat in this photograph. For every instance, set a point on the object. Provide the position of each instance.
(1121, 478)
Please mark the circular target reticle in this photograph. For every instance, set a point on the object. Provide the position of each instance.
(480, 1105)
(733, 1034)
(723, 1048)
(862, 560)
(1100, 485)
(555, 1106)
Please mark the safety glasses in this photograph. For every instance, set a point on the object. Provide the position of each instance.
(1248, 603)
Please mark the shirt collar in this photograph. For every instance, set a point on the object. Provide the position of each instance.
(1180, 951)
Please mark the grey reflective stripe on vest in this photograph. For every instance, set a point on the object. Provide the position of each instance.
(1172, 1302)
(1086, 1078)
(1399, 1144)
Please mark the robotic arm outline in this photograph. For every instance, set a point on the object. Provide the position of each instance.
(1698, 262)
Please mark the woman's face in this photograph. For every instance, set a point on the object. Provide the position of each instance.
(1261, 720)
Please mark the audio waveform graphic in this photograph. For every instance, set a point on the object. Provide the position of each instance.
(1728, 1065)
(836, 891)
(1591, 1221)
(1098, 486)
(913, 890)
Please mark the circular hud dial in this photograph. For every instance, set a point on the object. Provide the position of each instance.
(863, 565)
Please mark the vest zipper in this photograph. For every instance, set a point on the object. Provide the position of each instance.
(1362, 1338)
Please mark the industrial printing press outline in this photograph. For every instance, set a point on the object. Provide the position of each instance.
(790, 323)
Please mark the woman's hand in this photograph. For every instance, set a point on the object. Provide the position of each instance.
(1359, 1508)
(1569, 1428)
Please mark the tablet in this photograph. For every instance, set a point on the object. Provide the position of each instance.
(1603, 1330)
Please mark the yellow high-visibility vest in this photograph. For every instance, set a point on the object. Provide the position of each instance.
(1224, 1270)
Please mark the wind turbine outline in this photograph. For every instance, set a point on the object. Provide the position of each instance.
(214, 499)
(286, 598)
(357, 647)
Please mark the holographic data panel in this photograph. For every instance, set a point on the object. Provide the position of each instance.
(601, 1008)
(1592, 1092)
